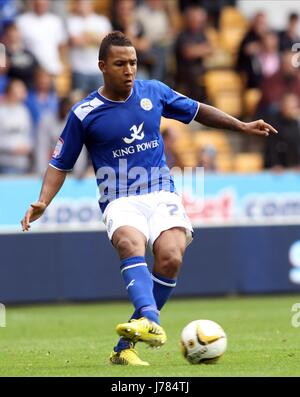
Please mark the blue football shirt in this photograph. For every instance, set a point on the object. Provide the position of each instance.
(123, 139)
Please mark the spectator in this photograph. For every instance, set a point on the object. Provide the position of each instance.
(290, 36)
(207, 158)
(15, 130)
(86, 30)
(42, 98)
(153, 13)
(283, 150)
(124, 19)
(21, 62)
(48, 132)
(49, 128)
(269, 57)
(44, 35)
(192, 47)
(247, 60)
(286, 80)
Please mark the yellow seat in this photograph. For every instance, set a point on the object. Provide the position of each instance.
(188, 158)
(224, 162)
(102, 7)
(229, 102)
(182, 144)
(231, 16)
(183, 148)
(250, 101)
(217, 81)
(233, 27)
(231, 37)
(216, 138)
(179, 127)
(248, 162)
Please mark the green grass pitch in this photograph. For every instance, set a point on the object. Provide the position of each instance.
(76, 340)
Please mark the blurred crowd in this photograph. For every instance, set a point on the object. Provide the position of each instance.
(205, 49)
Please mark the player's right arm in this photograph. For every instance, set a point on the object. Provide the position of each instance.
(53, 181)
(65, 154)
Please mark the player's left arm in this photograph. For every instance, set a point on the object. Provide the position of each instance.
(215, 118)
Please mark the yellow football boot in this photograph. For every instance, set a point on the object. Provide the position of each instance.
(143, 330)
(126, 357)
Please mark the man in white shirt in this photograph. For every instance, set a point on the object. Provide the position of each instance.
(153, 13)
(44, 35)
(15, 130)
(156, 23)
(86, 29)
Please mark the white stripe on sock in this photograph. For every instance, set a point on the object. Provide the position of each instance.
(157, 280)
(131, 266)
(150, 309)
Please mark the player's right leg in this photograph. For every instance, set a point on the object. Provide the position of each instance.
(130, 243)
(128, 230)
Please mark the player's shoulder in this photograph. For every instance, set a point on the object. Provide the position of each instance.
(149, 83)
(155, 86)
(84, 107)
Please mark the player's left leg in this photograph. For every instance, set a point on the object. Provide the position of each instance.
(170, 233)
(168, 250)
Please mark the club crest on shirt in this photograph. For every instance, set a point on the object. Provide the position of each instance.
(146, 104)
(58, 148)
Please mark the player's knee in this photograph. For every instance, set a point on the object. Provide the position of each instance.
(128, 247)
(169, 262)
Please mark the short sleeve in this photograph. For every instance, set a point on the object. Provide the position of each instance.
(177, 106)
(69, 144)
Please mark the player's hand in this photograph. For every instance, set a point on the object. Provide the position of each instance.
(259, 127)
(34, 212)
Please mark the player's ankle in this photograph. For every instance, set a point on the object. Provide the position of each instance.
(151, 313)
(122, 345)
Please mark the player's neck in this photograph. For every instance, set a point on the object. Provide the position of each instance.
(113, 95)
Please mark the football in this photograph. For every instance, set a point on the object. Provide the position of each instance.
(203, 341)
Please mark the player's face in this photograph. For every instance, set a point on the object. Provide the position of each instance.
(119, 69)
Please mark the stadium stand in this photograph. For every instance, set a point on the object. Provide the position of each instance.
(223, 86)
(248, 162)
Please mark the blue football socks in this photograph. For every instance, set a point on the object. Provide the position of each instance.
(139, 286)
(162, 289)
